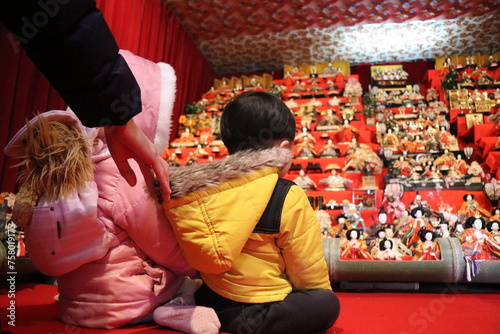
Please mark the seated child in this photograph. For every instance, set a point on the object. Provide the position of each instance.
(109, 245)
(253, 236)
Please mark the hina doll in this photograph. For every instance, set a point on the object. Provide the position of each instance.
(432, 174)
(173, 160)
(406, 145)
(346, 132)
(352, 147)
(386, 251)
(336, 182)
(305, 182)
(419, 144)
(427, 248)
(306, 149)
(495, 214)
(417, 223)
(494, 228)
(458, 231)
(379, 226)
(418, 201)
(390, 140)
(375, 243)
(339, 230)
(470, 208)
(330, 150)
(445, 138)
(330, 119)
(447, 159)
(303, 135)
(397, 245)
(402, 167)
(353, 247)
(477, 243)
(460, 165)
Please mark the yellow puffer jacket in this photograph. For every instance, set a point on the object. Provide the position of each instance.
(214, 210)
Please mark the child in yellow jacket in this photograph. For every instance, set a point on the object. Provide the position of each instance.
(253, 236)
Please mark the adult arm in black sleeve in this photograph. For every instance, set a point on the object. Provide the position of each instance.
(72, 45)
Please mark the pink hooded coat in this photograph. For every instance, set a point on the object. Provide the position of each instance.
(110, 245)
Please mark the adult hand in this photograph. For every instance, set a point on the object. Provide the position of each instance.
(129, 142)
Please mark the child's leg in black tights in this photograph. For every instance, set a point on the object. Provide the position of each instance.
(305, 311)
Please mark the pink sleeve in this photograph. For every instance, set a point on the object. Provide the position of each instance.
(66, 234)
(137, 212)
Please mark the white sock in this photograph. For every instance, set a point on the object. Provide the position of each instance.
(189, 319)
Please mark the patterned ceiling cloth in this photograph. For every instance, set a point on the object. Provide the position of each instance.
(255, 35)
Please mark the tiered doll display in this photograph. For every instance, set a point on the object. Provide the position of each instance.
(400, 168)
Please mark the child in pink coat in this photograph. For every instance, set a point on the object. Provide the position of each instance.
(109, 245)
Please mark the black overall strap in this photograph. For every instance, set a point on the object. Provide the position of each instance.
(270, 221)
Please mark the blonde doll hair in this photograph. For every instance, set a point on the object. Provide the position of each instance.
(56, 163)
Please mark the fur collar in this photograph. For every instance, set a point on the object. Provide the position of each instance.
(188, 179)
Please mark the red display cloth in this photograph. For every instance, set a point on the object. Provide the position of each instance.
(475, 132)
(434, 77)
(493, 162)
(36, 311)
(455, 113)
(487, 144)
(448, 308)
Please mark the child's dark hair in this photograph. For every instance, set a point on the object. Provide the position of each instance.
(254, 121)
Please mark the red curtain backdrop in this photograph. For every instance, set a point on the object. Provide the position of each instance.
(24, 91)
(147, 28)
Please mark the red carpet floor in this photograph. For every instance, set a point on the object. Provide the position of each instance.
(443, 309)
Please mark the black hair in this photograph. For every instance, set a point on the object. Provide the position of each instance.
(490, 225)
(381, 244)
(349, 232)
(378, 233)
(255, 120)
(423, 232)
(415, 210)
(493, 212)
(470, 222)
(341, 216)
(465, 196)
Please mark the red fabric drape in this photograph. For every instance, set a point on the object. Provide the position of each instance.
(147, 28)
(24, 91)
